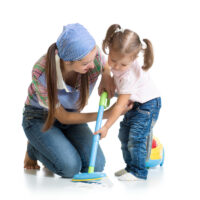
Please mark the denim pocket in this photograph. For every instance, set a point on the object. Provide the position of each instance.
(142, 111)
(149, 107)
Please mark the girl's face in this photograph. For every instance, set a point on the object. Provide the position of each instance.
(82, 66)
(120, 62)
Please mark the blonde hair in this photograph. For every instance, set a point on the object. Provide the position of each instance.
(128, 42)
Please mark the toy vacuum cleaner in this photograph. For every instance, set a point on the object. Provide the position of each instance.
(156, 152)
(91, 175)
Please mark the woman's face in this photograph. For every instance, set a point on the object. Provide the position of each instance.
(82, 66)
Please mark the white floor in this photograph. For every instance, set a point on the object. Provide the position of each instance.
(42, 184)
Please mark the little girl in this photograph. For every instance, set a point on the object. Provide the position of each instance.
(133, 84)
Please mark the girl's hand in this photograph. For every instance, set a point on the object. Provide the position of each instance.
(103, 132)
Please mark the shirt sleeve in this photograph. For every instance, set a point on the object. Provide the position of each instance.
(99, 63)
(40, 89)
(99, 60)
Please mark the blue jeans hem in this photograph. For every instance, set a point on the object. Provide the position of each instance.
(138, 176)
(135, 174)
(30, 152)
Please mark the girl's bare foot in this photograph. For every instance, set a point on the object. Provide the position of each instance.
(30, 164)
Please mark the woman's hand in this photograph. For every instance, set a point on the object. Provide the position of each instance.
(103, 132)
(107, 83)
(126, 108)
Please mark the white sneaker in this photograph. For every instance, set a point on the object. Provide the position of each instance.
(120, 172)
(129, 177)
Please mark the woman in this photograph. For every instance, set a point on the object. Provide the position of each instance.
(62, 81)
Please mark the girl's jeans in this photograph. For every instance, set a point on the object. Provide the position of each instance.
(134, 130)
(63, 149)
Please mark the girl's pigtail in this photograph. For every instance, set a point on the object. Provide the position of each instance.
(51, 82)
(148, 55)
(109, 36)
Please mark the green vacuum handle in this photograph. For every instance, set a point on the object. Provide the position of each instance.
(104, 101)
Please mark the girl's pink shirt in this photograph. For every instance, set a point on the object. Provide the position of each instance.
(137, 82)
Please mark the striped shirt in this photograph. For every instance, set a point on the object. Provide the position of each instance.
(67, 95)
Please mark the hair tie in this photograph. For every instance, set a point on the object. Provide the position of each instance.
(116, 31)
(119, 30)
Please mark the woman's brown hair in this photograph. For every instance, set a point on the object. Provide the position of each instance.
(127, 42)
(51, 82)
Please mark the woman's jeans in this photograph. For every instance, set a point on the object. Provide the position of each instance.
(134, 130)
(63, 149)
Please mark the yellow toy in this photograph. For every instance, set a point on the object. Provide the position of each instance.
(157, 154)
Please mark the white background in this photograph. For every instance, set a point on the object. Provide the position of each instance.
(28, 28)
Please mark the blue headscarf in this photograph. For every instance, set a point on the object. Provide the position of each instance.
(74, 43)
